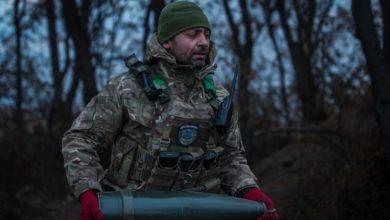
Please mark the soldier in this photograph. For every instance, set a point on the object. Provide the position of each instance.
(158, 122)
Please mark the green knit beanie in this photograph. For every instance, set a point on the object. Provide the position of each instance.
(179, 16)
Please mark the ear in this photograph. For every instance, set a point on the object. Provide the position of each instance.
(167, 45)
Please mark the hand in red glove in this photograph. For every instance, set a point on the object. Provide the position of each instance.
(90, 206)
(257, 195)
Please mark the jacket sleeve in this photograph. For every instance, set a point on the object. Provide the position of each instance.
(92, 131)
(236, 174)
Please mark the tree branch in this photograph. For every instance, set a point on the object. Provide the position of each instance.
(285, 27)
(247, 25)
(233, 27)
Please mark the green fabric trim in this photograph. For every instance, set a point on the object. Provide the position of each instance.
(159, 81)
(208, 83)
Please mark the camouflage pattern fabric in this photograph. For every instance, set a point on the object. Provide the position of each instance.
(119, 119)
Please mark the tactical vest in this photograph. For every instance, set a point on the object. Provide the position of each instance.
(181, 151)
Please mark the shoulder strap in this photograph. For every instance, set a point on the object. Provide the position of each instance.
(153, 86)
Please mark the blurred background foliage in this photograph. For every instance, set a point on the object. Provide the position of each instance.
(314, 95)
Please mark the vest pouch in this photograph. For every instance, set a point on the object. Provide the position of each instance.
(209, 174)
(186, 180)
(164, 172)
(122, 158)
(211, 165)
(189, 166)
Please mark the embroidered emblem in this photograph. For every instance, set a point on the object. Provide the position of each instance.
(187, 134)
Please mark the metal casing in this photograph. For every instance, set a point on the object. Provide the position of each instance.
(178, 205)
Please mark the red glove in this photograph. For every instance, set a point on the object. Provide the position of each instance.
(89, 206)
(257, 195)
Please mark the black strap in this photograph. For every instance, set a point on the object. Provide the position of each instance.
(144, 78)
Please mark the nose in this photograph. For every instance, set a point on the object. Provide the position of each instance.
(203, 40)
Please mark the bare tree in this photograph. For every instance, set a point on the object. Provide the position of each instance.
(244, 53)
(268, 11)
(76, 24)
(60, 110)
(155, 7)
(378, 64)
(17, 17)
(302, 48)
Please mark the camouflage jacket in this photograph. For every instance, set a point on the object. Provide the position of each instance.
(118, 119)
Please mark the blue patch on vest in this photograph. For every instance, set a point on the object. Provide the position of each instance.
(187, 134)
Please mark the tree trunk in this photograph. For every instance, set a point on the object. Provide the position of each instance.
(57, 105)
(243, 97)
(244, 53)
(18, 72)
(301, 52)
(76, 22)
(154, 6)
(282, 72)
(307, 89)
(377, 64)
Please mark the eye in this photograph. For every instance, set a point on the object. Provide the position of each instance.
(191, 33)
(207, 35)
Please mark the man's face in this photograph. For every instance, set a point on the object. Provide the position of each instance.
(190, 46)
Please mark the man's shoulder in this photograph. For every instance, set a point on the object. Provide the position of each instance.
(125, 83)
(123, 77)
(221, 92)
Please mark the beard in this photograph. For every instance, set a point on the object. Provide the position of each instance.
(197, 62)
(197, 58)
